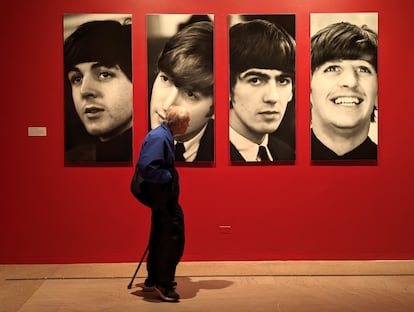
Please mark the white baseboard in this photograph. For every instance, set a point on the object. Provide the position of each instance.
(213, 268)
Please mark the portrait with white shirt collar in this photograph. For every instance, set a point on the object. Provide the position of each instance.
(262, 80)
(184, 76)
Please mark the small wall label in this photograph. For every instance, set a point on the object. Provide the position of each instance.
(36, 131)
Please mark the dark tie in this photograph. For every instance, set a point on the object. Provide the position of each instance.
(263, 153)
(179, 151)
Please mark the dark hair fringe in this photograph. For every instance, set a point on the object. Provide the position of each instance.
(261, 44)
(343, 41)
(107, 42)
(187, 58)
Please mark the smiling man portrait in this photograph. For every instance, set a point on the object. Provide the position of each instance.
(344, 92)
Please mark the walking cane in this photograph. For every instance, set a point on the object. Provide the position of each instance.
(139, 265)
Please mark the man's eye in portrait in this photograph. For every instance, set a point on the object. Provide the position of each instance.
(164, 78)
(105, 72)
(365, 69)
(255, 81)
(332, 68)
(105, 75)
(284, 81)
(192, 96)
(75, 77)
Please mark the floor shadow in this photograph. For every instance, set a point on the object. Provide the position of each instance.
(187, 288)
(145, 295)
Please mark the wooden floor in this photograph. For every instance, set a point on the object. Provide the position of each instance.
(291, 286)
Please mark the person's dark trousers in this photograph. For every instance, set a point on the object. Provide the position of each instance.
(166, 243)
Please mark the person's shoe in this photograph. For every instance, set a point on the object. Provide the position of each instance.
(167, 294)
(148, 286)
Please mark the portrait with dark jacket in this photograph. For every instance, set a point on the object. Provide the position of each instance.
(262, 77)
(344, 87)
(98, 89)
(185, 77)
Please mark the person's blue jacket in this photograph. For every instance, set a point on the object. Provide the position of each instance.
(156, 159)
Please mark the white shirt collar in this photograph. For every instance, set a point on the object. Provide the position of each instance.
(247, 148)
(191, 146)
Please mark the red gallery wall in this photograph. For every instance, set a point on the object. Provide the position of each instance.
(55, 214)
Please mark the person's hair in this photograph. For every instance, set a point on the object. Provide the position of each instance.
(260, 44)
(344, 41)
(176, 115)
(107, 42)
(187, 58)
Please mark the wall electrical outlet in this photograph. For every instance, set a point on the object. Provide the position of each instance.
(225, 229)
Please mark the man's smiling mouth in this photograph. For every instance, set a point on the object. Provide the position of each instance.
(348, 100)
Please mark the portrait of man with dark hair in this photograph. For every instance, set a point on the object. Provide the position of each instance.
(262, 80)
(98, 88)
(344, 86)
(180, 54)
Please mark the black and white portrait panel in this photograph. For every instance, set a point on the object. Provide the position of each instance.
(98, 89)
(180, 72)
(344, 86)
(262, 88)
